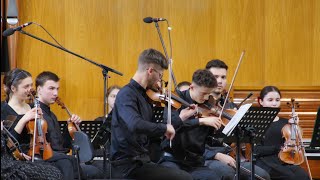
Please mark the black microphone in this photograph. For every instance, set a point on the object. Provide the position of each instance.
(249, 95)
(150, 19)
(10, 31)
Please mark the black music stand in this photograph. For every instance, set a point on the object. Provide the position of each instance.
(315, 141)
(88, 127)
(157, 114)
(155, 148)
(102, 140)
(251, 128)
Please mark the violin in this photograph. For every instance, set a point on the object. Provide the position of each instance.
(245, 151)
(157, 97)
(292, 150)
(38, 128)
(204, 110)
(72, 127)
(13, 145)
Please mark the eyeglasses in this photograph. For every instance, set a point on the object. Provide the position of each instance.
(160, 74)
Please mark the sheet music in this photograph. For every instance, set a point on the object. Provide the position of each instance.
(235, 119)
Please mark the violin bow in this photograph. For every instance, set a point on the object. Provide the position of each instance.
(233, 78)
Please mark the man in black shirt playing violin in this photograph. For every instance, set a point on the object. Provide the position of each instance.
(188, 145)
(216, 156)
(47, 85)
(132, 125)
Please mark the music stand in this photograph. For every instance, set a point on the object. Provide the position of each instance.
(102, 140)
(315, 141)
(157, 114)
(88, 127)
(251, 128)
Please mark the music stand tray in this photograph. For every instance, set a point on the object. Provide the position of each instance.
(88, 127)
(253, 123)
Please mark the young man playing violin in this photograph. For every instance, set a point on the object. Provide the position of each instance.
(47, 85)
(188, 146)
(216, 155)
(132, 125)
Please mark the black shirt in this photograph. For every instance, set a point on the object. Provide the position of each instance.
(273, 139)
(131, 124)
(189, 143)
(24, 137)
(54, 135)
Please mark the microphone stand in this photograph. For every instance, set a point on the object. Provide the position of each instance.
(105, 69)
(167, 56)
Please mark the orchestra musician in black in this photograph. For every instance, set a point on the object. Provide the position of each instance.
(216, 155)
(132, 125)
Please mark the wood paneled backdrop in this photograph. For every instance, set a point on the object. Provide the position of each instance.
(281, 39)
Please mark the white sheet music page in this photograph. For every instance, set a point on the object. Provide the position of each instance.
(235, 119)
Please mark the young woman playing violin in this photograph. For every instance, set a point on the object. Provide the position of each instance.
(18, 84)
(267, 152)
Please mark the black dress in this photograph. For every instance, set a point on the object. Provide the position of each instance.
(66, 164)
(267, 155)
(13, 169)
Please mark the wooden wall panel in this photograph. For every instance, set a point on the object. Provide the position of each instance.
(281, 39)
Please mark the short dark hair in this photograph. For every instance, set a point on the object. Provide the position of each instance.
(45, 76)
(268, 89)
(216, 63)
(204, 77)
(152, 56)
(13, 78)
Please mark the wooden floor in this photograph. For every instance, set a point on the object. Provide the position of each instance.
(314, 167)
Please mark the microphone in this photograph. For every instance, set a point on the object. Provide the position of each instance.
(150, 19)
(10, 31)
(249, 95)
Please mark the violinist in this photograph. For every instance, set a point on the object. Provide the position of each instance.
(111, 98)
(216, 155)
(188, 145)
(18, 84)
(267, 151)
(47, 85)
(132, 125)
(220, 69)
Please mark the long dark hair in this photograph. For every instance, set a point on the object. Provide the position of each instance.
(14, 78)
(266, 90)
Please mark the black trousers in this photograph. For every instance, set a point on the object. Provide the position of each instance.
(197, 173)
(147, 170)
(281, 171)
(65, 163)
